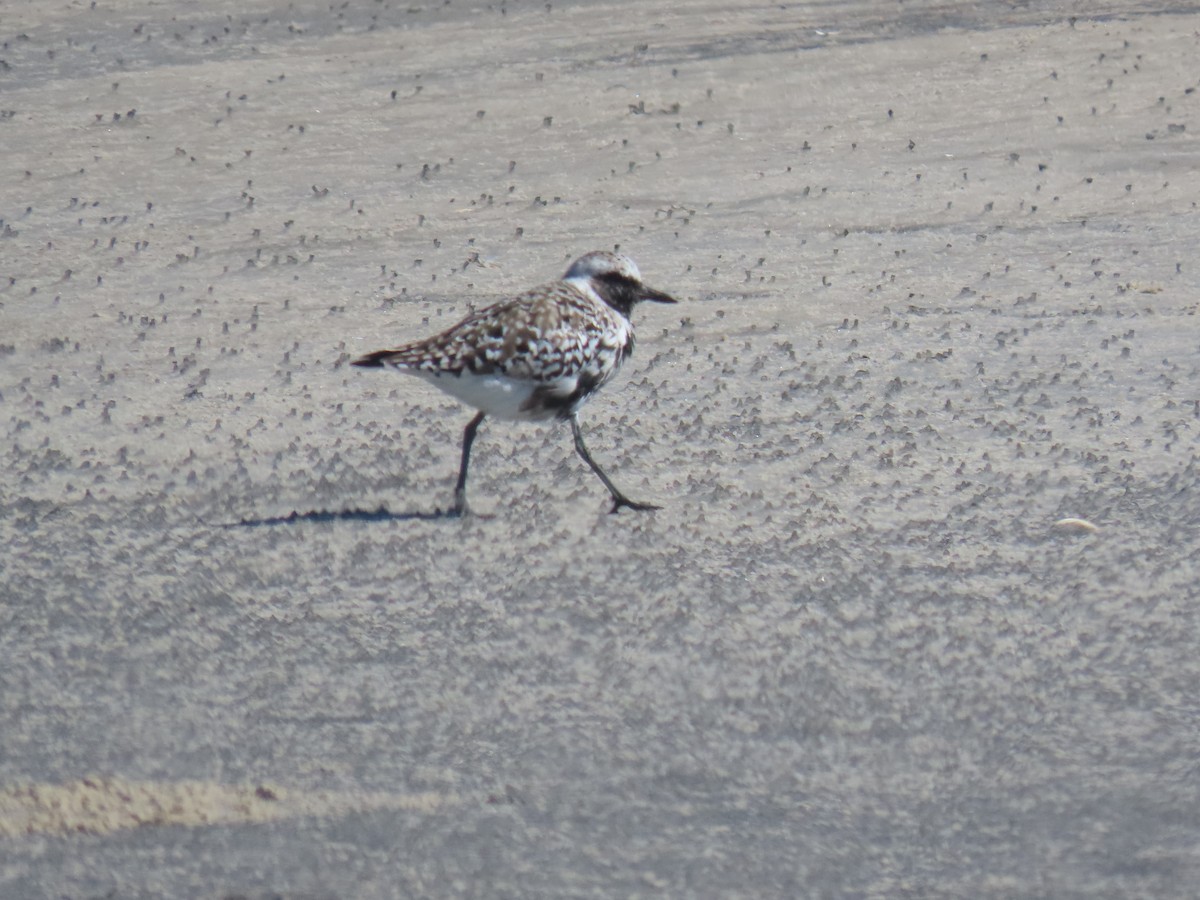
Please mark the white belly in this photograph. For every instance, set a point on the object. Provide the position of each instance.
(496, 395)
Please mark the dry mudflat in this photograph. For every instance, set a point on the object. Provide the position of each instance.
(919, 616)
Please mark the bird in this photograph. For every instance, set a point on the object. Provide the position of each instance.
(536, 357)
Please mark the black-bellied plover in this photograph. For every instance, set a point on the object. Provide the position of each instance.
(536, 357)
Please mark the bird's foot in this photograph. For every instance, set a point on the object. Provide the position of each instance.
(462, 510)
(621, 500)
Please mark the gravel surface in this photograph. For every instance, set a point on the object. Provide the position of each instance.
(919, 615)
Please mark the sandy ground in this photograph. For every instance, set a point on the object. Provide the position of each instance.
(940, 287)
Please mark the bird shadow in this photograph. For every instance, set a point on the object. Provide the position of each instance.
(382, 514)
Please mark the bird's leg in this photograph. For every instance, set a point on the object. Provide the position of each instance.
(619, 499)
(460, 489)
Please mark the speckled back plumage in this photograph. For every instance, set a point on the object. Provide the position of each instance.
(540, 336)
(539, 355)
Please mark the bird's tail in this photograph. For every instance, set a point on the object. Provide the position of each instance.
(376, 360)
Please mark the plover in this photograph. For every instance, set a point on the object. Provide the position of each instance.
(536, 357)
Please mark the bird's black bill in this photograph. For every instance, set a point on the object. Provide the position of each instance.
(649, 293)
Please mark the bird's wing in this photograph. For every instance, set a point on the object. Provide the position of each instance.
(544, 335)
